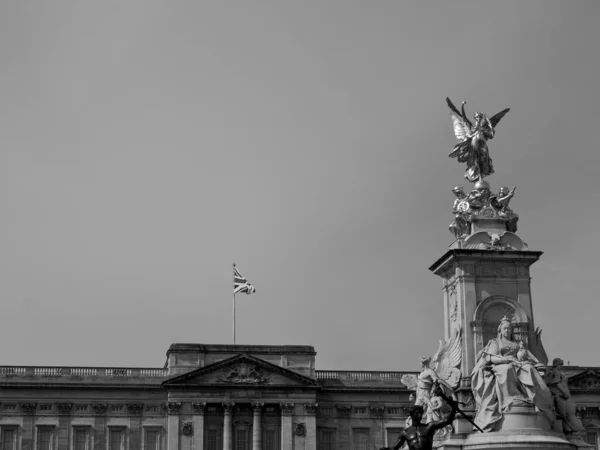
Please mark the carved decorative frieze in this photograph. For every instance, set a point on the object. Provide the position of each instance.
(99, 408)
(187, 428)
(522, 271)
(257, 408)
(173, 408)
(198, 407)
(343, 410)
(311, 408)
(64, 408)
(453, 307)
(245, 374)
(28, 408)
(287, 409)
(135, 408)
(377, 411)
(228, 407)
(495, 271)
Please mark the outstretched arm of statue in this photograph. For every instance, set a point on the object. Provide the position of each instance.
(434, 426)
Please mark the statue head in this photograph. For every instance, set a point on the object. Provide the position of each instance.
(425, 360)
(556, 362)
(504, 191)
(459, 192)
(416, 413)
(505, 329)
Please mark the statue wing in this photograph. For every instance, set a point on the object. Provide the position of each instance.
(495, 119)
(461, 126)
(409, 380)
(446, 360)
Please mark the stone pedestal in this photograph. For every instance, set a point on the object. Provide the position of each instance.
(523, 428)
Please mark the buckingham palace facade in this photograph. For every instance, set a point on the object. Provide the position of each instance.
(220, 397)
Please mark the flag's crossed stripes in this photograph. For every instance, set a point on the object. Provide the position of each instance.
(240, 284)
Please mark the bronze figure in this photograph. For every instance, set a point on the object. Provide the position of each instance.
(419, 436)
(472, 148)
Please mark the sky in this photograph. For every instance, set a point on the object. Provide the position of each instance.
(147, 145)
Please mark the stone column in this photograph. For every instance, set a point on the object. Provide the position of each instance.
(198, 423)
(173, 425)
(286, 426)
(227, 425)
(256, 428)
(311, 426)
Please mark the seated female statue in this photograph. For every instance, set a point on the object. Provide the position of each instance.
(505, 376)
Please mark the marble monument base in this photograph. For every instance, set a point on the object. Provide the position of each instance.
(522, 428)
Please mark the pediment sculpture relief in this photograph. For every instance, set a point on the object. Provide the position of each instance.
(245, 374)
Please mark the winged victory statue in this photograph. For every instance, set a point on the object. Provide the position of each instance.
(440, 370)
(472, 147)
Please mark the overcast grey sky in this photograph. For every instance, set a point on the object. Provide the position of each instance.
(146, 145)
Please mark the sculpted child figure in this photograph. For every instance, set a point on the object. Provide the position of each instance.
(505, 376)
(419, 436)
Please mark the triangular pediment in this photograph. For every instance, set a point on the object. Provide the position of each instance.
(588, 380)
(242, 371)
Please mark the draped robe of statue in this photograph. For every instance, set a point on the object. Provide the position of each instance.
(497, 387)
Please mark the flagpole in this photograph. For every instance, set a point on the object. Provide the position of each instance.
(233, 303)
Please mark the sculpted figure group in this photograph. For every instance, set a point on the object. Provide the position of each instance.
(506, 375)
(481, 202)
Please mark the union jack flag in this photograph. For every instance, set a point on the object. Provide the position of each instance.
(240, 284)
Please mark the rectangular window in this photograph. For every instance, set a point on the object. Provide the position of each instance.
(361, 439)
(392, 435)
(270, 437)
(152, 439)
(326, 439)
(81, 439)
(591, 438)
(241, 439)
(9, 438)
(44, 438)
(116, 439)
(213, 439)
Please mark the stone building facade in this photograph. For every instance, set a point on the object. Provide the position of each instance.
(220, 397)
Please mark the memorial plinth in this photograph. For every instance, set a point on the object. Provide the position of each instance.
(492, 362)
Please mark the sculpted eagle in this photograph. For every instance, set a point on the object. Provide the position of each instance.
(472, 147)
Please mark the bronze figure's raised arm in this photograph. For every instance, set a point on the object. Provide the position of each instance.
(472, 147)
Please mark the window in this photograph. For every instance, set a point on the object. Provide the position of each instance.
(116, 439)
(44, 438)
(8, 438)
(326, 436)
(361, 439)
(271, 441)
(591, 438)
(241, 439)
(392, 435)
(152, 439)
(213, 438)
(81, 438)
